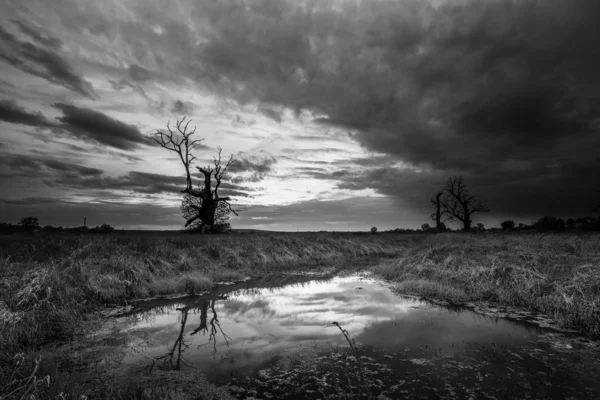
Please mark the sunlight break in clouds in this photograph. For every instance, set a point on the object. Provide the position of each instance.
(328, 106)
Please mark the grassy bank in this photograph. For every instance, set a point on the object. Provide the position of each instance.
(557, 274)
(49, 282)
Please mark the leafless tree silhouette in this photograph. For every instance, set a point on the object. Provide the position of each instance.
(459, 204)
(174, 358)
(182, 143)
(215, 326)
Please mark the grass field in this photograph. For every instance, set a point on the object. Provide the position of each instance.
(50, 284)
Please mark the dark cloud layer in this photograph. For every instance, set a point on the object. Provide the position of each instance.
(261, 166)
(37, 34)
(36, 166)
(14, 113)
(138, 73)
(137, 182)
(182, 108)
(42, 62)
(88, 124)
(505, 93)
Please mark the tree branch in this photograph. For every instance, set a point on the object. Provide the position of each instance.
(181, 144)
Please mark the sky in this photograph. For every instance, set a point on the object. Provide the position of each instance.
(341, 114)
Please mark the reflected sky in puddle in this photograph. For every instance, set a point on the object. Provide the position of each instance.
(238, 329)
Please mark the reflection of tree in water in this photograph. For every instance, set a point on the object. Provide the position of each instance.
(215, 326)
(174, 359)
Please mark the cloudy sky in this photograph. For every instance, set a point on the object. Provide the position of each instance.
(342, 114)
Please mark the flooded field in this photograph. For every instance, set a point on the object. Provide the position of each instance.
(277, 339)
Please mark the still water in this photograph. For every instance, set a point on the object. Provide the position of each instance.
(272, 338)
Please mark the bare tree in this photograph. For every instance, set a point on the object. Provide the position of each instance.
(459, 204)
(182, 143)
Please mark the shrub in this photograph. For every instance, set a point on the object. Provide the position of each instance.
(508, 225)
(30, 223)
(550, 223)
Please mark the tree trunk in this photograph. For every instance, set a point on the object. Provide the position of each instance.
(438, 214)
(208, 212)
(467, 225)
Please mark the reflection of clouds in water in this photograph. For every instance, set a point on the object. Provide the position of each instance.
(256, 308)
(260, 322)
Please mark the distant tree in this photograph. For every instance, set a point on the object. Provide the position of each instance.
(105, 228)
(425, 227)
(189, 207)
(480, 227)
(182, 143)
(550, 223)
(522, 226)
(459, 204)
(507, 225)
(374, 229)
(30, 223)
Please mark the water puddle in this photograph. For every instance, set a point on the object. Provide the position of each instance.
(276, 339)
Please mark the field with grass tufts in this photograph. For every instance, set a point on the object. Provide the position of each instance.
(557, 274)
(52, 285)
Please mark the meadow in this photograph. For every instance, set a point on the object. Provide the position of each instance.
(52, 285)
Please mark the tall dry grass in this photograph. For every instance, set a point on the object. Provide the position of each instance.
(557, 274)
(49, 284)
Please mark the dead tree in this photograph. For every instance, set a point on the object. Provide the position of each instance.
(181, 142)
(459, 204)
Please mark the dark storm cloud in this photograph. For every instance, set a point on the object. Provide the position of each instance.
(260, 166)
(233, 193)
(37, 34)
(274, 114)
(11, 111)
(134, 181)
(122, 84)
(87, 124)
(138, 73)
(34, 166)
(41, 62)
(475, 88)
(149, 183)
(182, 108)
